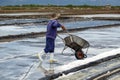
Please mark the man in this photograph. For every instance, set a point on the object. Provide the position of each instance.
(51, 33)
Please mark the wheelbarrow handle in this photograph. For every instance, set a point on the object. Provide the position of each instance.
(60, 37)
(67, 32)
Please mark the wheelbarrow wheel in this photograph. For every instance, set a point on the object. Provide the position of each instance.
(79, 54)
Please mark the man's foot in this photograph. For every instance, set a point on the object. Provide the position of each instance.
(52, 60)
(41, 55)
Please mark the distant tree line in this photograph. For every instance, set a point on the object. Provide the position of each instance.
(50, 5)
(35, 6)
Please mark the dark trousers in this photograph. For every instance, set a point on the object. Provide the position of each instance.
(50, 45)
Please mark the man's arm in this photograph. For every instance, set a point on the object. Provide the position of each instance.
(63, 28)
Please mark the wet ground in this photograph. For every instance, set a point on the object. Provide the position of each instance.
(18, 58)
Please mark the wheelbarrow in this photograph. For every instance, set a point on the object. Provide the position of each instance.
(77, 44)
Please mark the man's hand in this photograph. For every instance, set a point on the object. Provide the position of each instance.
(63, 28)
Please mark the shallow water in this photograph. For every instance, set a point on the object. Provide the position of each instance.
(21, 21)
(32, 27)
(20, 55)
(98, 15)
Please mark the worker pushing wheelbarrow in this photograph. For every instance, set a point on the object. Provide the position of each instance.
(77, 44)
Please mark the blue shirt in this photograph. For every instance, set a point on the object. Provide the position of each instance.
(52, 28)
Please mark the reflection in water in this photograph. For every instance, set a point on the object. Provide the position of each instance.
(43, 69)
(47, 71)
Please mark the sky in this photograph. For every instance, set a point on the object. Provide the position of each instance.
(60, 2)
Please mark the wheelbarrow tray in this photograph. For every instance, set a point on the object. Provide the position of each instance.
(75, 42)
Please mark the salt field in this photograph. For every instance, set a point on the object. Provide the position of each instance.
(18, 56)
(31, 27)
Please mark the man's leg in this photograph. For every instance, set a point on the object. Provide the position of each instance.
(41, 55)
(51, 50)
(50, 44)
